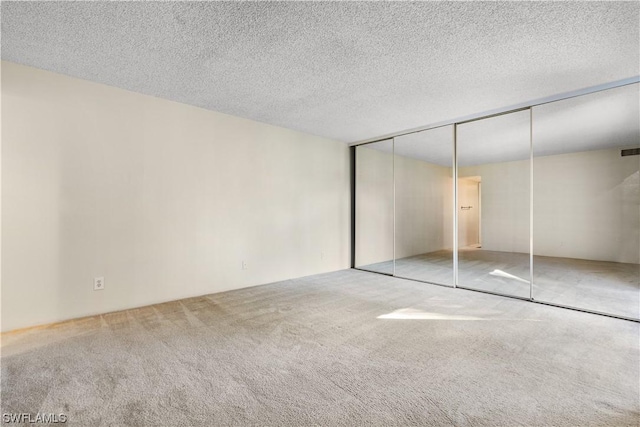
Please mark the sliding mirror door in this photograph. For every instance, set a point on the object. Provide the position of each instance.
(586, 207)
(424, 206)
(374, 207)
(493, 204)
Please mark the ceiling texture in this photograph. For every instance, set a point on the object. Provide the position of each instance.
(349, 71)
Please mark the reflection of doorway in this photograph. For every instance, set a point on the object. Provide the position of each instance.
(469, 201)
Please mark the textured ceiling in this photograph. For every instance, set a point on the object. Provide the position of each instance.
(344, 70)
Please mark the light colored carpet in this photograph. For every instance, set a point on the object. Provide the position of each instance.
(347, 348)
(607, 287)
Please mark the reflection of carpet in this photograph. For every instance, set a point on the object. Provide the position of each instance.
(603, 286)
(313, 351)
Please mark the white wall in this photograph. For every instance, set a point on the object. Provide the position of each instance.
(163, 199)
(505, 204)
(424, 217)
(587, 205)
(374, 206)
(423, 192)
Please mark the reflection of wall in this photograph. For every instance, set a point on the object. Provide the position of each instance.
(423, 207)
(163, 199)
(587, 205)
(505, 205)
(468, 219)
(374, 206)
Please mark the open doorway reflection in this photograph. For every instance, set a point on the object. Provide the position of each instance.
(469, 224)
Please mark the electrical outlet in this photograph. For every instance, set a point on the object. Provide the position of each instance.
(244, 265)
(98, 283)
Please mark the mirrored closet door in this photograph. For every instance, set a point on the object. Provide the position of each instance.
(586, 209)
(424, 206)
(493, 204)
(374, 207)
